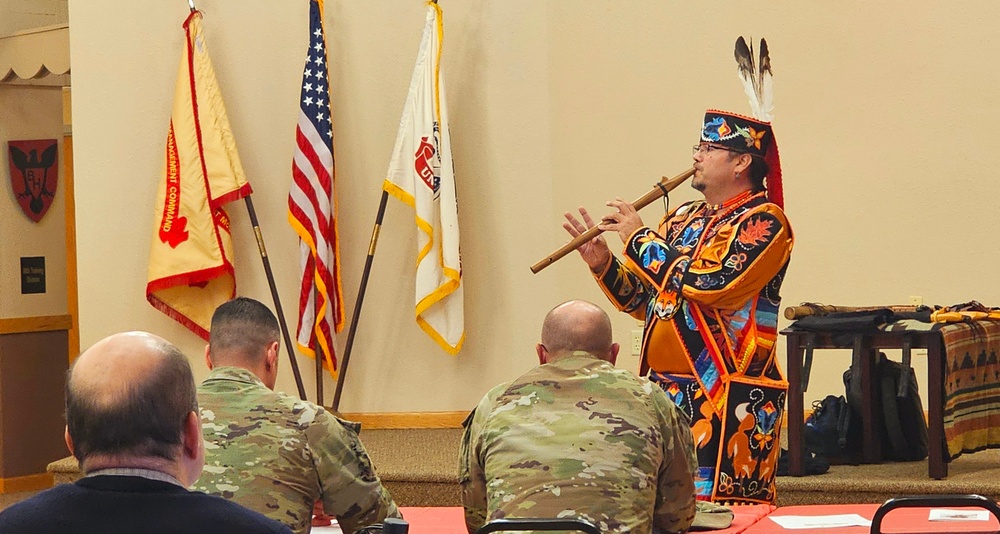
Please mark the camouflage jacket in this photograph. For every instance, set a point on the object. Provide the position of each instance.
(276, 454)
(577, 437)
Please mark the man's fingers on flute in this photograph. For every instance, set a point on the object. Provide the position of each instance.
(573, 225)
(620, 204)
(571, 229)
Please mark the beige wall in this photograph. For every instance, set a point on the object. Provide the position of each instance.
(886, 115)
(31, 113)
(18, 15)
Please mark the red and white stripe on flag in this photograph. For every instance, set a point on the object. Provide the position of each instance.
(312, 210)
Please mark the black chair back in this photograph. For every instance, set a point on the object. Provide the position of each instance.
(521, 525)
(923, 501)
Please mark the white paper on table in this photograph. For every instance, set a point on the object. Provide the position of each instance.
(943, 514)
(331, 529)
(800, 522)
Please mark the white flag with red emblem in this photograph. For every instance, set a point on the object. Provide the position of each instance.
(190, 259)
(422, 175)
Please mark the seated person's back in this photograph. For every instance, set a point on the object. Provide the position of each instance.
(577, 437)
(132, 422)
(272, 452)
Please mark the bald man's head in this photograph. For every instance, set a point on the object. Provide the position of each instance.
(577, 325)
(129, 395)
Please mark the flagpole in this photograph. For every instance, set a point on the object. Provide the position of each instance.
(319, 375)
(274, 296)
(342, 374)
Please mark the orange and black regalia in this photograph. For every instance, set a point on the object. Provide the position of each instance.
(707, 286)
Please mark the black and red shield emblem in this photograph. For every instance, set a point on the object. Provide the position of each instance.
(34, 174)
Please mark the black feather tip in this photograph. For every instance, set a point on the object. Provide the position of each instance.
(765, 59)
(744, 57)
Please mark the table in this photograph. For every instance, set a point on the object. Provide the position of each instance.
(745, 516)
(866, 347)
(909, 520)
(451, 520)
(422, 520)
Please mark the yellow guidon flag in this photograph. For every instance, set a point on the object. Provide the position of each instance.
(422, 175)
(190, 267)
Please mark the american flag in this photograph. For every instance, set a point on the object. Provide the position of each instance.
(311, 208)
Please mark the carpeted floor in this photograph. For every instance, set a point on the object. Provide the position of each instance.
(844, 484)
(420, 468)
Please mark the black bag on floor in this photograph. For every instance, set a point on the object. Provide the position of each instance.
(831, 433)
(900, 422)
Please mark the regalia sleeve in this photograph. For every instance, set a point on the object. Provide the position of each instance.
(624, 288)
(740, 260)
(733, 266)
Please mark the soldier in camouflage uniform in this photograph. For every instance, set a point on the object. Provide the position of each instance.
(272, 452)
(576, 437)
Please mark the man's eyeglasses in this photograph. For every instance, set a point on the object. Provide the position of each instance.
(708, 149)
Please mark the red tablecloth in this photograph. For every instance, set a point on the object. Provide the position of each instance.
(451, 520)
(908, 520)
(744, 517)
(435, 520)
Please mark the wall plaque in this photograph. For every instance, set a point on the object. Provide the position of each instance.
(33, 275)
(33, 175)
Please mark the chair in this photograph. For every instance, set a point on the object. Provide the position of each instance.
(924, 501)
(520, 525)
(391, 525)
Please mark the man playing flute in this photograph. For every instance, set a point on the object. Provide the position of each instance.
(706, 283)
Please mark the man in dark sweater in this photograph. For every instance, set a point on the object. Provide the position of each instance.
(132, 422)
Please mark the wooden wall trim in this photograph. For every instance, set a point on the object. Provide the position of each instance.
(374, 421)
(69, 190)
(41, 323)
(37, 482)
(440, 419)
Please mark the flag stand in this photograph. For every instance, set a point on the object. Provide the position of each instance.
(274, 296)
(342, 374)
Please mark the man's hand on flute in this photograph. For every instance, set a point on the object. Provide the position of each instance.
(595, 252)
(625, 221)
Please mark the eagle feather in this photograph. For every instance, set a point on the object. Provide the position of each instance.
(756, 78)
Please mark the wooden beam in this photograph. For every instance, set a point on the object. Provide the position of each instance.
(42, 323)
(373, 421)
(37, 482)
(72, 286)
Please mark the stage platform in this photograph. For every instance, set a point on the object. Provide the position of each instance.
(420, 468)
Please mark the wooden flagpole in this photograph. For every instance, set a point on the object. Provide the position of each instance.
(319, 374)
(342, 374)
(274, 296)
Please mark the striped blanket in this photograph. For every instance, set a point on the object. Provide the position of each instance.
(971, 386)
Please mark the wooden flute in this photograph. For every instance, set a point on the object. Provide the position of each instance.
(663, 187)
